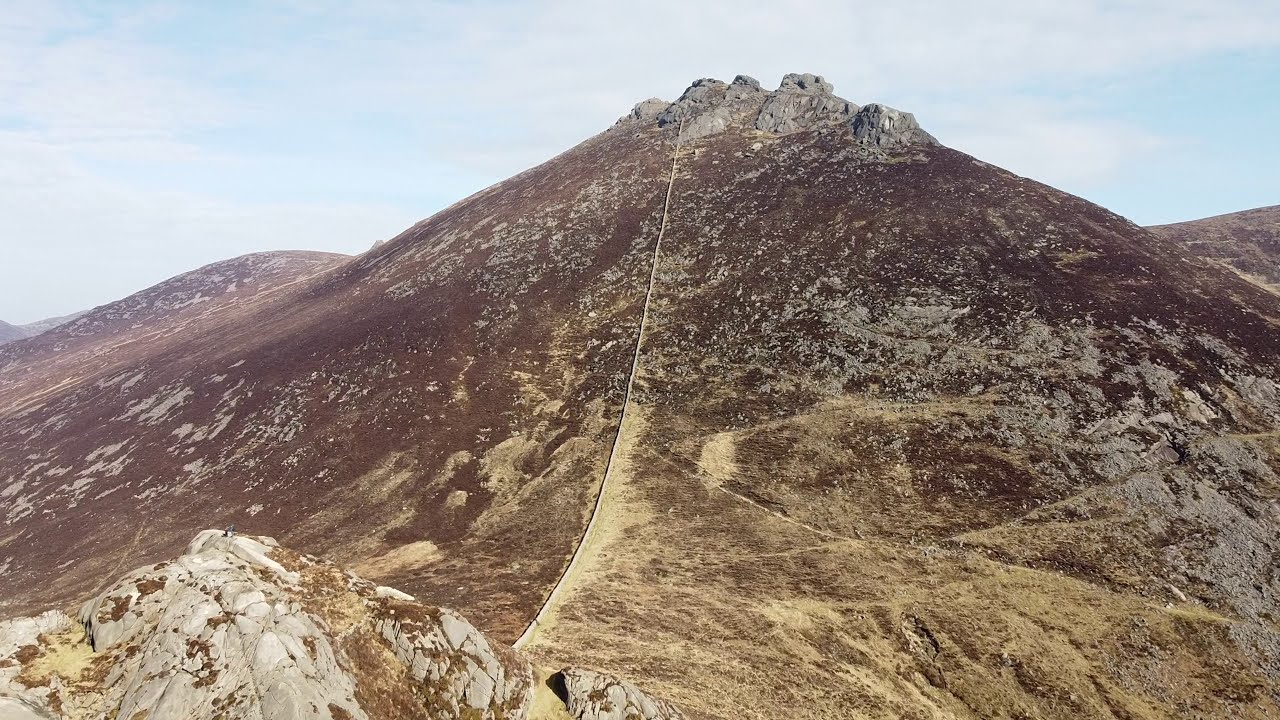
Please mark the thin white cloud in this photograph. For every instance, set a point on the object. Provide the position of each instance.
(96, 79)
(478, 91)
(1052, 142)
(552, 73)
(73, 240)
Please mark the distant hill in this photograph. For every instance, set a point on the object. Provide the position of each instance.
(1248, 242)
(153, 318)
(9, 333)
(47, 324)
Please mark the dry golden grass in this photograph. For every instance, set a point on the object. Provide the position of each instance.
(1067, 259)
(733, 611)
(717, 458)
(325, 592)
(65, 655)
(619, 514)
(546, 705)
(1250, 278)
(398, 560)
(501, 466)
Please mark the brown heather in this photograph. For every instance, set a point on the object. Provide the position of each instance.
(911, 436)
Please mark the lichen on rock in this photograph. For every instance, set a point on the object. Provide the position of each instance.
(237, 627)
(592, 695)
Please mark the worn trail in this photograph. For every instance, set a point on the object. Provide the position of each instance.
(585, 541)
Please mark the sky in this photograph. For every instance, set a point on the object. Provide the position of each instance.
(139, 140)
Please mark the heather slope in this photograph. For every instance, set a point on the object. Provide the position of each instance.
(941, 441)
(118, 334)
(1248, 242)
(937, 440)
(448, 395)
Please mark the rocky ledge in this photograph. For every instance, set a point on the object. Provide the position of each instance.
(237, 627)
(801, 102)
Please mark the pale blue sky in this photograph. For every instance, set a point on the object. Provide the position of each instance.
(142, 139)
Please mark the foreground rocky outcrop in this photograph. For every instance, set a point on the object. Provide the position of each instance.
(237, 627)
(591, 695)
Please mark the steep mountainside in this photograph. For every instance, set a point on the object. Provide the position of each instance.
(9, 333)
(121, 333)
(208, 288)
(878, 430)
(1248, 242)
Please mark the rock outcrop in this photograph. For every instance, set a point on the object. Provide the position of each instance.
(648, 110)
(592, 695)
(237, 627)
(803, 101)
(20, 640)
(223, 626)
(884, 127)
(16, 709)
(710, 106)
(466, 676)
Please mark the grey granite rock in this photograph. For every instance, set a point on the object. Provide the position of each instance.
(17, 700)
(803, 101)
(455, 663)
(237, 628)
(884, 127)
(220, 627)
(592, 695)
(743, 86)
(706, 94)
(806, 83)
(13, 708)
(20, 632)
(648, 110)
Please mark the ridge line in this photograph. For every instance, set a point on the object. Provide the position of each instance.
(531, 629)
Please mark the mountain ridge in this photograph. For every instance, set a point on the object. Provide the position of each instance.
(50, 323)
(803, 101)
(9, 333)
(89, 341)
(940, 440)
(1247, 242)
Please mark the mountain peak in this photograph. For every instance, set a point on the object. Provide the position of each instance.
(806, 83)
(803, 101)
